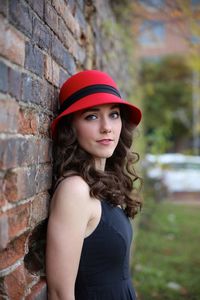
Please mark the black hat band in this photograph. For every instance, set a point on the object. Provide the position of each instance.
(86, 91)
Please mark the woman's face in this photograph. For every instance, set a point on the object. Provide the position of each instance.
(98, 130)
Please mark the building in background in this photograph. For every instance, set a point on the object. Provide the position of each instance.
(171, 27)
(165, 27)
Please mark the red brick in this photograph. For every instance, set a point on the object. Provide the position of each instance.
(18, 151)
(4, 236)
(44, 178)
(52, 71)
(39, 291)
(39, 208)
(2, 195)
(12, 43)
(10, 186)
(8, 153)
(59, 5)
(48, 96)
(27, 153)
(15, 283)
(44, 124)
(20, 183)
(30, 277)
(67, 16)
(71, 43)
(45, 151)
(18, 220)
(28, 121)
(14, 251)
(8, 115)
(67, 38)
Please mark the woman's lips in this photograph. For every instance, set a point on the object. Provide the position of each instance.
(105, 141)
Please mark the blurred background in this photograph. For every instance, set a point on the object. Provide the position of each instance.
(166, 261)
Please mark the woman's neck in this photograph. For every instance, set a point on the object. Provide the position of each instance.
(100, 164)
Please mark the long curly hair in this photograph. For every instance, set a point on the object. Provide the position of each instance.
(116, 183)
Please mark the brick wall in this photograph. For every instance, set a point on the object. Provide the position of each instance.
(42, 42)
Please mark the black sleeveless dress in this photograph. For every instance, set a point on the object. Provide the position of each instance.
(104, 265)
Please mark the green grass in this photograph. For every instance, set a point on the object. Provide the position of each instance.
(166, 260)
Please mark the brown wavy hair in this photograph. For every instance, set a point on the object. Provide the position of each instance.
(116, 183)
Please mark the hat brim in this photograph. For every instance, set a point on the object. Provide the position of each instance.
(95, 100)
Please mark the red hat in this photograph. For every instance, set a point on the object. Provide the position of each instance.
(90, 88)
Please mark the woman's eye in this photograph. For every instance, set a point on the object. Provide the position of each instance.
(115, 115)
(90, 117)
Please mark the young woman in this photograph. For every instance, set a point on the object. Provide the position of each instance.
(89, 231)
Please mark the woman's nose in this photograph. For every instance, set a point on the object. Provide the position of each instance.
(106, 126)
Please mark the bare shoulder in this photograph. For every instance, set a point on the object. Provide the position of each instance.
(75, 183)
(71, 192)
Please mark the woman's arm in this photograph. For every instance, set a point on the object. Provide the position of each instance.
(69, 216)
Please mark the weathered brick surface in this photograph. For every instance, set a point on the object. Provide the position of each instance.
(39, 208)
(8, 153)
(42, 43)
(28, 121)
(43, 123)
(4, 236)
(45, 151)
(41, 34)
(32, 89)
(12, 43)
(14, 222)
(16, 152)
(18, 220)
(69, 41)
(14, 251)
(48, 99)
(20, 183)
(14, 83)
(39, 291)
(80, 19)
(27, 151)
(64, 11)
(21, 16)
(3, 77)
(4, 7)
(62, 77)
(44, 178)
(62, 56)
(15, 283)
(51, 17)
(37, 6)
(51, 71)
(2, 195)
(9, 109)
(34, 60)
(27, 88)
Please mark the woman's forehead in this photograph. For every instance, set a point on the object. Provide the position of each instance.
(102, 106)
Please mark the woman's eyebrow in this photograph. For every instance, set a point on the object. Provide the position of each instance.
(115, 106)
